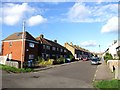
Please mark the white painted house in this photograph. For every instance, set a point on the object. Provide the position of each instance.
(112, 49)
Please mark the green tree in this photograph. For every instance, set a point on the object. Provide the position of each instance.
(107, 57)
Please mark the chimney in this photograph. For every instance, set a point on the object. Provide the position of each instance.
(71, 43)
(55, 41)
(41, 36)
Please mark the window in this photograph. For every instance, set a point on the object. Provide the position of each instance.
(57, 49)
(53, 48)
(61, 50)
(31, 56)
(43, 46)
(31, 45)
(65, 50)
(48, 47)
(10, 43)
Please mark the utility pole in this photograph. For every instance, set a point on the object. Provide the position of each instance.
(100, 50)
(23, 44)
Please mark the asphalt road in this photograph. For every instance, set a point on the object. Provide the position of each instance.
(75, 75)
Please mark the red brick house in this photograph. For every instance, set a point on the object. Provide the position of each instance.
(12, 47)
(51, 49)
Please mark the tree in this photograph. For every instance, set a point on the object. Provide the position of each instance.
(107, 57)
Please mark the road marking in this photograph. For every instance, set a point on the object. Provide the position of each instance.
(95, 73)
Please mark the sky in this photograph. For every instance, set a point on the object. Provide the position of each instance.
(87, 24)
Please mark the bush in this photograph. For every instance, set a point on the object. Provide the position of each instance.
(71, 57)
(42, 62)
(107, 57)
(60, 60)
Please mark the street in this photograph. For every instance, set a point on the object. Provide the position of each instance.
(75, 75)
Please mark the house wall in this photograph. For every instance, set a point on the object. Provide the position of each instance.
(70, 48)
(14, 49)
(53, 54)
(31, 50)
(112, 49)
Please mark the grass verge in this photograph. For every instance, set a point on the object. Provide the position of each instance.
(15, 70)
(107, 84)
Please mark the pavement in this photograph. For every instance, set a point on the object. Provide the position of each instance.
(103, 72)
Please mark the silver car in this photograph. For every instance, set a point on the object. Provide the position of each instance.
(94, 61)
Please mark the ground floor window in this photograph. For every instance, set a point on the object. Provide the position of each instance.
(31, 56)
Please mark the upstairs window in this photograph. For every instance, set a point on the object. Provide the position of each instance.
(61, 50)
(57, 49)
(31, 45)
(65, 50)
(48, 47)
(43, 46)
(53, 48)
(10, 44)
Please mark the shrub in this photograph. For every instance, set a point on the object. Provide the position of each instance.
(60, 60)
(107, 57)
(71, 57)
(43, 62)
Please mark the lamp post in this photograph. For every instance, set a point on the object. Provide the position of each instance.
(100, 50)
(23, 37)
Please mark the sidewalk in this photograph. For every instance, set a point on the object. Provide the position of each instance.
(103, 72)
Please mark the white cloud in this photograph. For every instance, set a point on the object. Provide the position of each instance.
(35, 20)
(13, 13)
(78, 12)
(111, 25)
(82, 12)
(89, 43)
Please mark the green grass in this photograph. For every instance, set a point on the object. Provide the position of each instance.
(108, 84)
(15, 70)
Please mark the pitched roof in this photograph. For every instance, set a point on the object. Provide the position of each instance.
(49, 42)
(18, 35)
(78, 48)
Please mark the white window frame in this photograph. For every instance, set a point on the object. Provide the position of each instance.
(32, 45)
(53, 48)
(48, 47)
(31, 56)
(61, 50)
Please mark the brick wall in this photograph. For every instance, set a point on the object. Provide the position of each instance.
(14, 49)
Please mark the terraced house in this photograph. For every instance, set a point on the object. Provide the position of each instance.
(77, 51)
(51, 49)
(23, 50)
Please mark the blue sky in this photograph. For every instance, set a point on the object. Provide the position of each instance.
(87, 24)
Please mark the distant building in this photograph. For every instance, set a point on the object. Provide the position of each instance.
(51, 49)
(12, 47)
(77, 51)
(112, 49)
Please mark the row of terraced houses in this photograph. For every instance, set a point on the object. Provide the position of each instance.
(12, 47)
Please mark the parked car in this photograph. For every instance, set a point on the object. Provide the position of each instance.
(67, 60)
(94, 61)
(84, 58)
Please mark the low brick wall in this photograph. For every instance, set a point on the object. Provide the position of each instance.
(114, 64)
